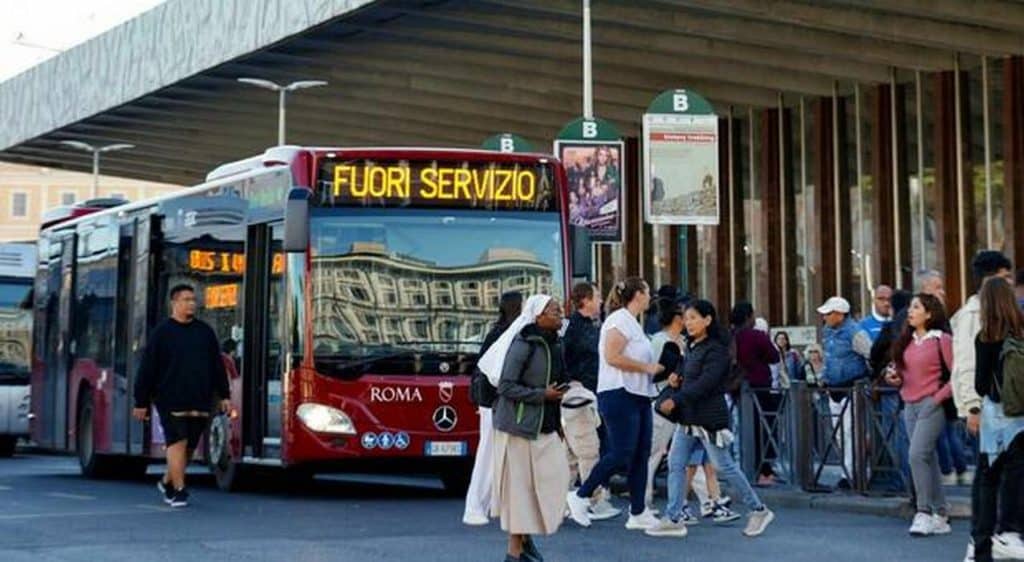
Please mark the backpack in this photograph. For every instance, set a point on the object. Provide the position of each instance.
(481, 392)
(1011, 391)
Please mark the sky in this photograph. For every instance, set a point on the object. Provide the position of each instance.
(32, 31)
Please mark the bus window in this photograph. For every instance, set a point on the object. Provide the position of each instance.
(387, 282)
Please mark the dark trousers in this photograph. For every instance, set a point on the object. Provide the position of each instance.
(628, 421)
(996, 501)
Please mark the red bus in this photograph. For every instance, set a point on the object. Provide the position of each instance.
(350, 289)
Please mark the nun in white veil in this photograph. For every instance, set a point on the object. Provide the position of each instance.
(531, 472)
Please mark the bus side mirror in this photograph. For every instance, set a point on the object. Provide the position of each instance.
(296, 220)
(582, 252)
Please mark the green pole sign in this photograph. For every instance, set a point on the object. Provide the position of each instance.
(686, 102)
(507, 142)
(680, 144)
(589, 130)
(592, 152)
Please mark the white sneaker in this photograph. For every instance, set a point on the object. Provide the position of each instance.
(578, 508)
(922, 525)
(965, 478)
(1007, 546)
(758, 521)
(949, 479)
(940, 525)
(603, 510)
(642, 522)
(969, 557)
(475, 519)
(667, 528)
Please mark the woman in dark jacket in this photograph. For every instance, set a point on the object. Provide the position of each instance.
(531, 471)
(700, 408)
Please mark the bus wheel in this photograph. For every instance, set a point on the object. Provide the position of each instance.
(7, 443)
(456, 479)
(93, 465)
(230, 474)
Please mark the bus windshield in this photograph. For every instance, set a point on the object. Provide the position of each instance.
(15, 329)
(407, 287)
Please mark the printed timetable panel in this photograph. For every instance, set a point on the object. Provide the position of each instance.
(436, 184)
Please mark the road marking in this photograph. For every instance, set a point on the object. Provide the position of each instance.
(157, 508)
(62, 495)
(67, 514)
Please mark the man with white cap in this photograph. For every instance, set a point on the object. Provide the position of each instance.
(843, 364)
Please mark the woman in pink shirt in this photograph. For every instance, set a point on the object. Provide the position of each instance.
(920, 355)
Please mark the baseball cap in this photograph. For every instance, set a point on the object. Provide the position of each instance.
(835, 304)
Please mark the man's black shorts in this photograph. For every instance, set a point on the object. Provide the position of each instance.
(183, 428)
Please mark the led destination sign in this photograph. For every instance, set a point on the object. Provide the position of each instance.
(453, 184)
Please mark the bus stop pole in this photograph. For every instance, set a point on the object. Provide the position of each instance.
(280, 116)
(588, 86)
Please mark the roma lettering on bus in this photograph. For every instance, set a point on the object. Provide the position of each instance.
(395, 394)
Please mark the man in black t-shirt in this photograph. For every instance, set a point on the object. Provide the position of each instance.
(182, 374)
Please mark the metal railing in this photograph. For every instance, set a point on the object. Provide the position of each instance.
(822, 439)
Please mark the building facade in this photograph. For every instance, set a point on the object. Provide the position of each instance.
(26, 192)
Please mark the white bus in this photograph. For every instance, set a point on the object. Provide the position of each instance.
(17, 271)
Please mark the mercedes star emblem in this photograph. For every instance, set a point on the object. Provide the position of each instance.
(445, 418)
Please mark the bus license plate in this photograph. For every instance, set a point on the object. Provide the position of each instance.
(447, 448)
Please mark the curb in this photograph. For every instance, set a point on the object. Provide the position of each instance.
(960, 507)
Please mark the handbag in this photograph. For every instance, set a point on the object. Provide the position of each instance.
(948, 405)
(665, 394)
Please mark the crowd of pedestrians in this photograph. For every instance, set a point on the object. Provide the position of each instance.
(625, 384)
(579, 401)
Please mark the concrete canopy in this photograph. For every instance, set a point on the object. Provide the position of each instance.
(453, 72)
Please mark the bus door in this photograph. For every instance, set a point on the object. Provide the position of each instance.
(262, 355)
(122, 396)
(143, 311)
(59, 356)
(134, 304)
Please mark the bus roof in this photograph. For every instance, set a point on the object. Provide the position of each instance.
(285, 154)
(17, 259)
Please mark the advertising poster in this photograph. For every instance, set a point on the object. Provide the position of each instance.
(681, 169)
(594, 171)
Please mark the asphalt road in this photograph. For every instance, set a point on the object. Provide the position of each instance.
(48, 512)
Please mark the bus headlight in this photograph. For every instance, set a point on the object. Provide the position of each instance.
(325, 419)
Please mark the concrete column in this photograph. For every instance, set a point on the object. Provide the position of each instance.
(1013, 154)
(947, 215)
(830, 163)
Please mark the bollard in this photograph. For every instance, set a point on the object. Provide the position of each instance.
(804, 421)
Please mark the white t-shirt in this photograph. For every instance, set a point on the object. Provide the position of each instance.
(638, 348)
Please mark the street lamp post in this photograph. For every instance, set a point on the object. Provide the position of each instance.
(281, 92)
(96, 151)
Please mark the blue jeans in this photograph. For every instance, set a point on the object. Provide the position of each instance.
(728, 470)
(951, 450)
(628, 421)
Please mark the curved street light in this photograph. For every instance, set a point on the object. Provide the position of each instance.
(96, 151)
(281, 91)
